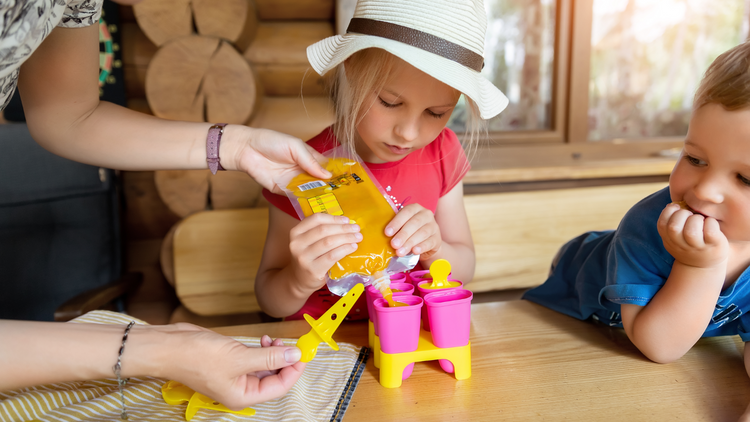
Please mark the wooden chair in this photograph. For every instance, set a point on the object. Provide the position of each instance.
(216, 255)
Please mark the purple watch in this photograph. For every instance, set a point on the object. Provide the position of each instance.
(212, 147)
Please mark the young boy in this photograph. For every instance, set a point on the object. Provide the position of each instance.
(676, 269)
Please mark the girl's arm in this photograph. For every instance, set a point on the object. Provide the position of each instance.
(35, 353)
(297, 256)
(60, 94)
(445, 234)
(677, 316)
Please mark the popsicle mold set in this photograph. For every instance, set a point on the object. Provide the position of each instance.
(431, 321)
(435, 325)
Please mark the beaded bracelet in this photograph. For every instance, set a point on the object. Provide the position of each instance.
(118, 367)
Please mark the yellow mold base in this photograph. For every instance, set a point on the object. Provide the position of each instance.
(392, 365)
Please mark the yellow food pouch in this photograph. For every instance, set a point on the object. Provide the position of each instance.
(352, 191)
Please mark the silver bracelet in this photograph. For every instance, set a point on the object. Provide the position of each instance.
(118, 367)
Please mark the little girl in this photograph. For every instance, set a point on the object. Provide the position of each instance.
(401, 69)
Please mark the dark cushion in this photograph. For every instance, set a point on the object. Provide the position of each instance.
(59, 227)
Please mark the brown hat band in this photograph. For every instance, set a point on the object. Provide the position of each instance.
(419, 39)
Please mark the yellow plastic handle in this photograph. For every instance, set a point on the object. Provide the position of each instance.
(175, 393)
(322, 329)
(388, 296)
(439, 271)
(199, 401)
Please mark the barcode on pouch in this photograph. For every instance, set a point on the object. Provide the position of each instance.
(312, 185)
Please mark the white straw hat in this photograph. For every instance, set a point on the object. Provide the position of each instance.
(443, 38)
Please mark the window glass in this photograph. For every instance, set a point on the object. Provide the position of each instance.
(647, 58)
(518, 59)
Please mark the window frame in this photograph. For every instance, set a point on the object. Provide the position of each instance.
(563, 152)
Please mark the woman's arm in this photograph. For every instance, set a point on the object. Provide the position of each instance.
(677, 316)
(60, 94)
(297, 256)
(34, 353)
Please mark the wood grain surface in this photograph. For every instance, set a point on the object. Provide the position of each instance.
(532, 364)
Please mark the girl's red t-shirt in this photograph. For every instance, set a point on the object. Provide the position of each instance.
(421, 177)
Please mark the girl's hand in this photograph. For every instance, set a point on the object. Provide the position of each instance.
(692, 239)
(414, 230)
(316, 244)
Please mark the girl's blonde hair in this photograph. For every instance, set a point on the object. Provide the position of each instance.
(367, 72)
(727, 80)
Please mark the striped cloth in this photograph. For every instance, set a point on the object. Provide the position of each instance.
(322, 393)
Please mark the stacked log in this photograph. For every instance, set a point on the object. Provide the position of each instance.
(200, 78)
(278, 54)
(271, 35)
(235, 61)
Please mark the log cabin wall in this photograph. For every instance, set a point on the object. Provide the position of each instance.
(235, 61)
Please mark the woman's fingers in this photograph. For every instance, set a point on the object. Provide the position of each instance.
(268, 388)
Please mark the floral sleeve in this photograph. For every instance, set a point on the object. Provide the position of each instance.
(81, 13)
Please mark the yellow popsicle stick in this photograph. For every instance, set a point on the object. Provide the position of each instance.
(439, 270)
(176, 393)
(199, 401)
(322, 330)
(388, 296)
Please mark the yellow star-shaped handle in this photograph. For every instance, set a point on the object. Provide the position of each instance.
(323, 328)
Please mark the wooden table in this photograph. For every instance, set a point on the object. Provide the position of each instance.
(530, 363)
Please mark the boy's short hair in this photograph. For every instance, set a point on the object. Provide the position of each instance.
(727, 80)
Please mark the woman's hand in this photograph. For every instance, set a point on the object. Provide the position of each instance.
(316, 244)
(222, 368)
(414, 230)
(267, 156)
(692, 239)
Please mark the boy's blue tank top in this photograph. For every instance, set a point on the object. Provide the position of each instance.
(598, 271)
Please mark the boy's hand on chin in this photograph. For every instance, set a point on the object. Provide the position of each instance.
(692, 239)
